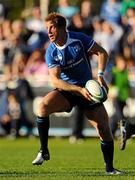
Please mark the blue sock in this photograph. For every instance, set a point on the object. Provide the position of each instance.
(43, 128)
(107, 148)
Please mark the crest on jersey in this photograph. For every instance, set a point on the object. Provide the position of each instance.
(75, 50)
(58, 57)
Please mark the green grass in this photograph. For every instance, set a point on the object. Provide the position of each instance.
(68, 161)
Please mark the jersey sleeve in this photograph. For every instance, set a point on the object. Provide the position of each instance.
(87, 41)
(50, 58)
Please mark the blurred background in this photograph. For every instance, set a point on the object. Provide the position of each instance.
(24, 78)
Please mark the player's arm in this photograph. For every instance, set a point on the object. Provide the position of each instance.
(102, 56)
(60, 84)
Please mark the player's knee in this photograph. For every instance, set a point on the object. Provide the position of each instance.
(104, 132)
(43, 109)
(105, 129)
(101, 128)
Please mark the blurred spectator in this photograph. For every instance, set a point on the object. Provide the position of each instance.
(7, 29)
(15, 113)
(111, 36)
(20, 87)
(36, 41)
(119, 91)
(10, 115)
(36, 31)
(107, 34)
(11, 39)
(126, 4)
(68, 10)
(22, 34)
(131, 72)
(110, 11)
(18, 66)
(129, 37)
(5, 42)
(97, 25)
(77, 23)
(23, 90)
(82, 21)
(25, 95)
(87, 14)
(36, 70)
(35, 22)
(10, 53)
(18, 29)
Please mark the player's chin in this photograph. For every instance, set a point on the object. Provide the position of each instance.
(52, 39)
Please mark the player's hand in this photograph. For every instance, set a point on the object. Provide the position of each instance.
(85, 93)
(102, 82)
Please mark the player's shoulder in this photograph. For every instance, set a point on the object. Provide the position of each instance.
(51, 47)
(73, 34)
(79, 36)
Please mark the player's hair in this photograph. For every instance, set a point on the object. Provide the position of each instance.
(57, 19)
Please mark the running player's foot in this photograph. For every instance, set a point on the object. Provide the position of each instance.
(114, 172)
(122, 138)
(41, 157)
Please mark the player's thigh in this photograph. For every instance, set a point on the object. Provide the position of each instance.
(97, 114)
(98, 117)
(54, 101)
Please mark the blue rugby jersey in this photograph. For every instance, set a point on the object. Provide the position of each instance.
(72, 58)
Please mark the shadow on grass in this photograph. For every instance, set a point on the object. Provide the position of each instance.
(60, 173)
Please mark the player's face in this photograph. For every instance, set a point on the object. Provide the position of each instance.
(53, 32)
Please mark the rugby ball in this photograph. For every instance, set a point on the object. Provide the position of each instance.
(98, 93)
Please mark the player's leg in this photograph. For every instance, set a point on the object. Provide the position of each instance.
(99, 119)
(52, 102)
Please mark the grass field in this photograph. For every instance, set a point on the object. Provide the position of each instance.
(68, 161)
